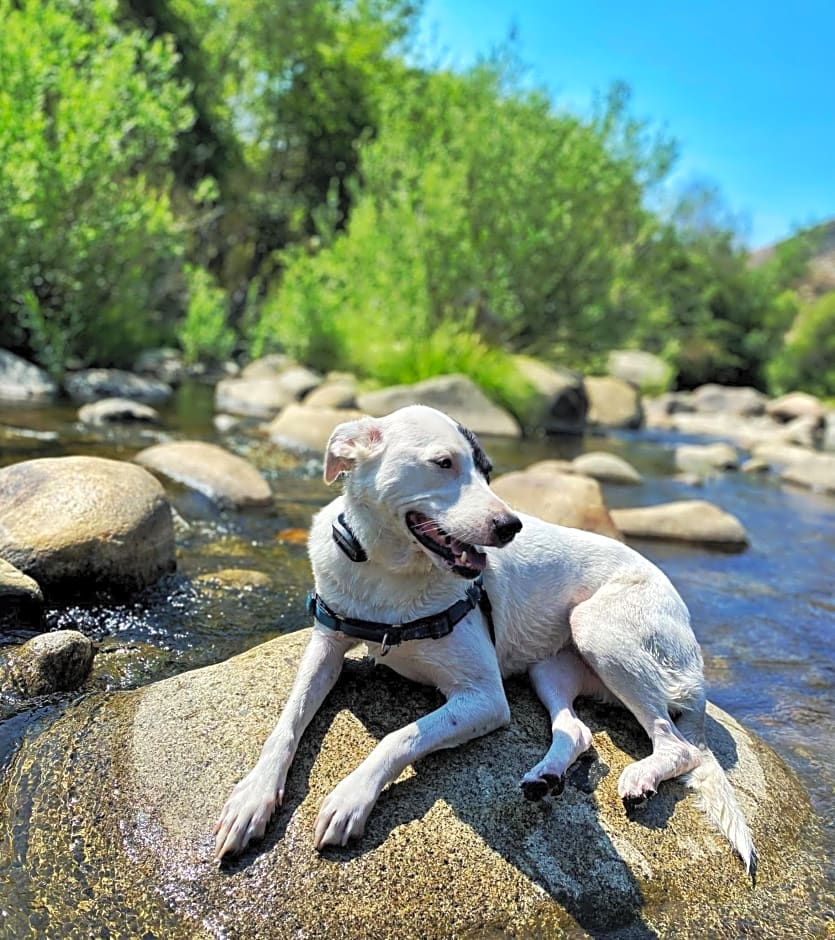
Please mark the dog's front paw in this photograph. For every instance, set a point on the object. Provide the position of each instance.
(245, 814)
(343, 815)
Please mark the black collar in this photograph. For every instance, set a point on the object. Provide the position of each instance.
(393, 634)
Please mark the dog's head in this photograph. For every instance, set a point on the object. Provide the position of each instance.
(418, 473)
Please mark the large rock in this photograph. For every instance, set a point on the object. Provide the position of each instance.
(21, 599)
(746, 432)
(568, 499)
(613, 403)
(816, 472)
(297, 380)
(456, 395)
(117, 411)
(706, 458)
(642, 369)
(738, 400)
(559, 404)
(688, 520)
(796, 405)
(93, 384)
(268, 366)
(52, 662)
(112, 808)
(224, 478)
(22, 381)
(257, 397)
(300, 427)
(608, 468)
(164, 363)
(78, 525)
(338, 393)
(781, 455)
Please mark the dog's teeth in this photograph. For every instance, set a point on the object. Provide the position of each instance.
(462, 558)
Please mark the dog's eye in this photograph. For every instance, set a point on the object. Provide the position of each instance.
(445, 463)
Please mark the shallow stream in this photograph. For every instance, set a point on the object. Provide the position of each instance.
(765, 617)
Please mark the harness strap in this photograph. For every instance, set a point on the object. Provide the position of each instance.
(346, 540)
(393, 634)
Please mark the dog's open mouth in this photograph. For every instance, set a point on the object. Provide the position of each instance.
(459, 557)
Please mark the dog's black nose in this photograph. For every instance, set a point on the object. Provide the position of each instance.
(505, 527)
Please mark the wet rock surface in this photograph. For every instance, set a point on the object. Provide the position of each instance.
(53, 662)
(84, 524)
(117, 832)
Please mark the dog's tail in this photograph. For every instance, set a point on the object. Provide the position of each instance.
(718, 802)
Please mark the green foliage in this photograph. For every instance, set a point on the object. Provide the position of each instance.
(89, 247)
(807, 360)
(204, 334)
(283, 171)
(483, 220)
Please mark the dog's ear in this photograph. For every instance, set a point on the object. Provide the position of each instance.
(349, 443)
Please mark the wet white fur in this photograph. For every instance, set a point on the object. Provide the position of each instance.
(581, 613)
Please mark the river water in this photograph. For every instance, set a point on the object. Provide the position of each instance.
(765, 617)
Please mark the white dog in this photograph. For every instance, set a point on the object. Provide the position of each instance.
(398, 561)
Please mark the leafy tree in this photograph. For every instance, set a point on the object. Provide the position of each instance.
(807, 360)
(90, 252)
(482, 214)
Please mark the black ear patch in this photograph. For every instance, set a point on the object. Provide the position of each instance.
(481, 460)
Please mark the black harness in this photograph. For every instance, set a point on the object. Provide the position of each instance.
(393, 634)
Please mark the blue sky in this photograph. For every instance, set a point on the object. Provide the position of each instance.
(747, 89)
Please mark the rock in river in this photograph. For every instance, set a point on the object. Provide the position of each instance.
(112, 809)
(456, 395)
(21, 600)
(613, 403)
(93, 384)
(686, 520)
(22, 381)
(227, 480)
(568, 499)
(78, 525)
(117, 411)
(52, 662)
(608, 468)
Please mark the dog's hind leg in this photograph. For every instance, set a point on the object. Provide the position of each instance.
(649, 659)
(558, 681)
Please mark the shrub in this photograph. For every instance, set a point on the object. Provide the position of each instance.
(807, 360)
(204, 334)
(89, 250)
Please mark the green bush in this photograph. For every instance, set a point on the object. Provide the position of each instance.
(483, 222)
(90, 252)
(204, 334)
(807, 360)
